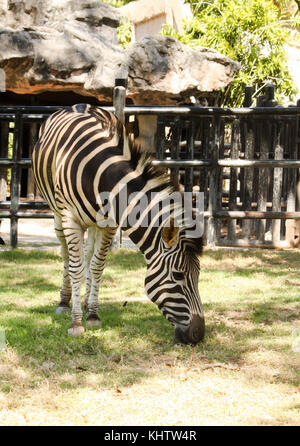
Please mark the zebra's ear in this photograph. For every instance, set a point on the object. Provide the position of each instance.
(170, 234)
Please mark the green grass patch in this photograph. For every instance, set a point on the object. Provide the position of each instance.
(251, 303)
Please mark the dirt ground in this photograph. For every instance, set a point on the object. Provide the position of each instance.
(31, 231)
(39, 233)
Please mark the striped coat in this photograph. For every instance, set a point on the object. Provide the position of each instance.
(94, 178)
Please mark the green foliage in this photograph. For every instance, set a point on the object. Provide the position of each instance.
(252, 35)
(124, 32)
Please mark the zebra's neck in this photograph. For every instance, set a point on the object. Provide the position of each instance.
(139, 200)
(146, 215)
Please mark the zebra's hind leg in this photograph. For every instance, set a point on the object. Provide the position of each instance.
(88, 252)
(74, 233)
(103, 240)
(66, 289)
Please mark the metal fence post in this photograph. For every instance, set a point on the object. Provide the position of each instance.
(298, 172)
(119, 99)
(266, 100)
(119, 102)
(213, 184)
(292, 135)
(248, 96)
(190, 148)
(14, 183)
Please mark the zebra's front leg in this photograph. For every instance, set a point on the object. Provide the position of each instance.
(74, 238)
(66, 289)
(102, 243)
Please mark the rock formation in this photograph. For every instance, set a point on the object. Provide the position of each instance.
(162, 70)
(59, 45)
(71, 45)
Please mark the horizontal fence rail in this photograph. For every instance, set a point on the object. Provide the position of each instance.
(245, 160)
(34, 112)
(228, 163)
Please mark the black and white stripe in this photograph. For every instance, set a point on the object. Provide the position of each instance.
(83, 152)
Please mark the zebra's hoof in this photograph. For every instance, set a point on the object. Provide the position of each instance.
(76, 330)
(93, 321)
(63, 309)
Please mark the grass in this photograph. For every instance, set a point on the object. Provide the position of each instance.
(131, 371)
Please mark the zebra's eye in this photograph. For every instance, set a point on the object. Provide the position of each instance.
(178, 275)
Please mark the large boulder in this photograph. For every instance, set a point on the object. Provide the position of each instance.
(59, 45)
(162, 70)
(71, 45)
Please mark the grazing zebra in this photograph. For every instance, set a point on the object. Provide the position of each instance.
(86, 168)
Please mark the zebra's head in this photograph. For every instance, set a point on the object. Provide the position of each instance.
(172, 282)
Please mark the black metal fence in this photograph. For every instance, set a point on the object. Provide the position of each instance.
(246, 162)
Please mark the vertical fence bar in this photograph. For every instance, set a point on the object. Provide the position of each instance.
(291, 184)
(119, 101)
(284, 174)
(277, 183)
(30, 193)
(298, 172)
(4, 127)
(249, 173)
(248, 96)
(4, 131)
(175, 150)
(160, 139)
(204, 153)
(234, 154)
(263, 179)
(213, 183)
(15, 180)
(219, 222)
(190, 148)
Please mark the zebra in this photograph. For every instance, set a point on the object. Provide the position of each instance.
(83, 151)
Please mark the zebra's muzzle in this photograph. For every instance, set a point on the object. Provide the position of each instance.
(192, 334)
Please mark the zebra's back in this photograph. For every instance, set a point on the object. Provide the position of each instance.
(76, 156)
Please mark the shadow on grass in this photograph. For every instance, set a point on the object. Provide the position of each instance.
(40, 285)
(130, 340)
(118, 351)
(20, 257)
(132, 337)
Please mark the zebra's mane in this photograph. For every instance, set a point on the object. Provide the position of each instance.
(138, 158)
(193, 246)
(143, 161)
